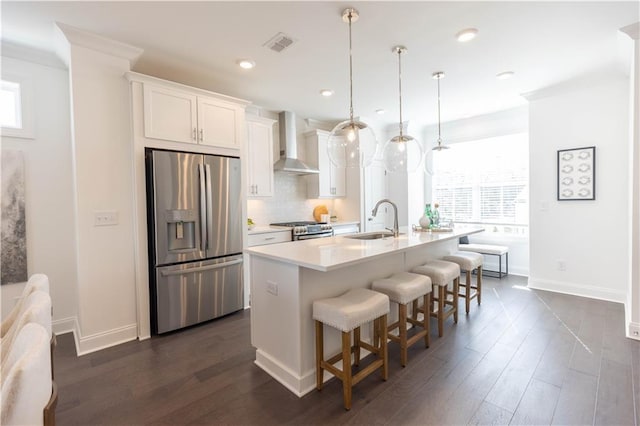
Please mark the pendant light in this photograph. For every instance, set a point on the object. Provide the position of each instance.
(439, 148)
(402, 153)
(352, 143)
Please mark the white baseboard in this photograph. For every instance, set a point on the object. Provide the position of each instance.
(282, 374)
(592, 292)
(95, 342)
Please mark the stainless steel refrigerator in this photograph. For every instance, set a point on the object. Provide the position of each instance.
(195, 237)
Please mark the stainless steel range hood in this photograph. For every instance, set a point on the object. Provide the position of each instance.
(289, 162)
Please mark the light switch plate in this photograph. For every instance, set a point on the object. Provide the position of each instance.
(105, 218)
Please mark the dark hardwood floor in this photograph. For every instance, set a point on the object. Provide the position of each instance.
(523, 357)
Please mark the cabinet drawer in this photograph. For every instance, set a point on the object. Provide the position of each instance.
(269, 238)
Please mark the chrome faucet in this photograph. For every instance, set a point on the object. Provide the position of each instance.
(374, 212)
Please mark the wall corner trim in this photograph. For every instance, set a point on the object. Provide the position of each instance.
(102, 44)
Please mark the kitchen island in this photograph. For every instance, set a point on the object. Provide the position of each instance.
(286, 278)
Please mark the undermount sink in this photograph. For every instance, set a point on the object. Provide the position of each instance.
(370, 235)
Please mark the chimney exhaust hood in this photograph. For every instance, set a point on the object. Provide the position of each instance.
(288, 162)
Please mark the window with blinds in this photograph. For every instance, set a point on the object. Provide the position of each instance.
(484, 181)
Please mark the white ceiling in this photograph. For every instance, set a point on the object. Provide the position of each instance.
(198, 43)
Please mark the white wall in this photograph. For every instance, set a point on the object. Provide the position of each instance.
(589, 236)
(102, 159)
(49, 190)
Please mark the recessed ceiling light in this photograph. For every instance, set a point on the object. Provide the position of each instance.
(467, 35)
(247, 64)
(505, 75)
(326, 92)
(380, 111)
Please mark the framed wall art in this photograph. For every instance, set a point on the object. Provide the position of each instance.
(577, 174)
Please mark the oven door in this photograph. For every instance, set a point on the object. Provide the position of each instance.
(313, 236)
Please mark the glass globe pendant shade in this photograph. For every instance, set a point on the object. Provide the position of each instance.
(438, 154)
(402, 153)
(352, 144)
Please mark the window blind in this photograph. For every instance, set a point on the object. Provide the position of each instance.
(484, 181)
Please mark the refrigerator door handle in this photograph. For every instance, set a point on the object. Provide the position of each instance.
(200, 268)
(203, 211)
(209, 202)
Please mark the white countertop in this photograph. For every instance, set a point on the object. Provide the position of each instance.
(327, 254)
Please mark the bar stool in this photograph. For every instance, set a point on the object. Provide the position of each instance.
(347, 313)
(468, 261)
(442, 273)
(402, 288)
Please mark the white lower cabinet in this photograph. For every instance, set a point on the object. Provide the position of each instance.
(259, 156)
(331, 181)
(269, 238)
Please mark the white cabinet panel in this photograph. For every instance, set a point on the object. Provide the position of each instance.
(260, 156)
(218, 123)
(269, 238)
(180, 116)
(169, 114)
(331, 181)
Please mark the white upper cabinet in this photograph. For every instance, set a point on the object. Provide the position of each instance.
(260, 156)
(170, 114)
(331, 181)
(180, 116)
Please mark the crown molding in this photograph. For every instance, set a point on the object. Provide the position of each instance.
(99, 43)
(632, 30)
(11, 49)
(597, 78)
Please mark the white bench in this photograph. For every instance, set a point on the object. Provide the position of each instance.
(490, 250)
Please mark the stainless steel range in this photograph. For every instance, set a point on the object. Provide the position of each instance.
(307, 230)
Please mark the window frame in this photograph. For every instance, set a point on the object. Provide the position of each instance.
(476, 186)
(27, 115)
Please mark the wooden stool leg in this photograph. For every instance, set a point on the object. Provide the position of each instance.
(319, 355)
(402, 319)
(346, 369)
(414, 310)
(426, 318)
(467, 296)
(383, 347)
(356, 344)
(456, 291)
(441, 296)
(479, 284)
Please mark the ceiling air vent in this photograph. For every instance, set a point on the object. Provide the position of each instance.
(279, 42)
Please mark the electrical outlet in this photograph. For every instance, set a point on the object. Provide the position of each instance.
(272, 288)
(105, 218)
(562, 265)
(634, 331)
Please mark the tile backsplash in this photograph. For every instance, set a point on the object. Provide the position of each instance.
(289, 202)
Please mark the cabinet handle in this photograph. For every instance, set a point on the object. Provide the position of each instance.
(201, 135)
(256, 185)
(194, 134)
(270, 238)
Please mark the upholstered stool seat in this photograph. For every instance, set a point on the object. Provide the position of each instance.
(490, 250)
(402, 288)
(347, 313)
(442, 273)
(468, 262)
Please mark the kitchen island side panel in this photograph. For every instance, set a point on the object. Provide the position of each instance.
(283, 329)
